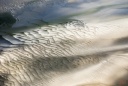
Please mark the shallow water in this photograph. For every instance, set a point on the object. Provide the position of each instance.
(41, 12)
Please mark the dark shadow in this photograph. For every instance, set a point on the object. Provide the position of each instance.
(123, 40)
(65, 64)
(122, 81)
(3, 79)
(6, 19)
(49, 66)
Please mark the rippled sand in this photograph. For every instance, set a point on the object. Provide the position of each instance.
(64, 43)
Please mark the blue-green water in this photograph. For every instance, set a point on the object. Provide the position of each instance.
(30, 12)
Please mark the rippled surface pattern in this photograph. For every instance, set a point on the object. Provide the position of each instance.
(63, 42)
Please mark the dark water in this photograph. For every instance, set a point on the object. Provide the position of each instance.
(41, 12)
